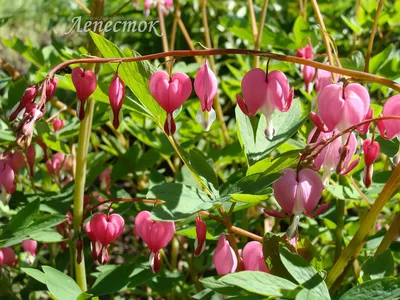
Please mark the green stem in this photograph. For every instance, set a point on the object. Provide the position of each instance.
(81, 160)
(354, 247)
(257, 46)
(340, 208)
(372, 36)
(390, 234)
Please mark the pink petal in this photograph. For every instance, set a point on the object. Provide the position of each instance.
(330, 105)
(310, 189)
(285, 190)
(224, 258)
(253, 257)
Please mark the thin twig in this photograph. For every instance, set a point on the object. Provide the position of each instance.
(324, 33)
(372, 36)
(358, 75)
(257, 45)
(253, 20)
(390, 234)
(87, 10)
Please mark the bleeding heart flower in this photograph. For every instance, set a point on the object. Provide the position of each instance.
(58, 124)
(85, 83)
(224, 257)
(308, 72)
(107, 228)
(57, 161)
(30, 246)
(7, 183)
(330, 157)
(324, 78)
(28, 97)
(206, 87)
(342, 107)
(390, 129)
(156, 235)
(51, 86)
(170, 93)
(371, 151)
(298, 193)
(201, 232)
(17, 161)
(116, 94)
(266, 93)
(253, 257)
(9, 257)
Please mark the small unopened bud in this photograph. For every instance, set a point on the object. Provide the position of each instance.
(28, 97)
(58, 124)
(201, 231)
(79, 247)
(116, 94)
(371, 151)
(343, 153)
(51, 85)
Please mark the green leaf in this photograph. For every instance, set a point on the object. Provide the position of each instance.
(47, 236)
(220, 287)
(352, 24)
(36, 274)
(303, 273)
(127, 162)
(181, 201)
(202, 167)
(305, 294)
(378, 267)
(24, 217)
(271, 251)
(134, 75)
(274, 165)
(260, 283)
(253, 188)
(61, 285)
(379, 289)
(50, 139)
(285, 124)
(117, 278)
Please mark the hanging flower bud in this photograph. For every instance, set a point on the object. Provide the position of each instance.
(17, 161)
(170, 93)
(253, 257)
(9, 257)
(147, 6)
(79, 248)
(27, 125)
(324, 78)
(7, 183)
(85, 83)
(390, 129)
(30, 246)
(57, 161)
(30, 156)
(28, 97)
(206, 87)
(156, 235)
(371, 151)
(116, 94)
(224, 257)
(51, 86)
(58, 124)
(308, 72)
(341, 107)
(201, 232)
(95, 245)
(265, 92)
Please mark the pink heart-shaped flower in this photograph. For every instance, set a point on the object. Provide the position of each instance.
(85, 83)
(105, 228)
(172, 92)
(155, 234)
